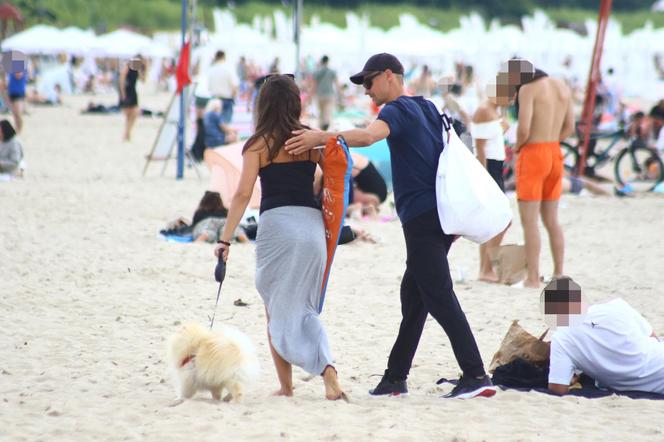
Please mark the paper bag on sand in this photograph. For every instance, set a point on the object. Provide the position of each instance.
(518, 343)
(509, 261)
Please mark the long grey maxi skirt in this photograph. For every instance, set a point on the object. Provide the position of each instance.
(290, 262)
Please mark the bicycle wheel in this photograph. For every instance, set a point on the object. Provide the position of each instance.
(640, 168)
(570, 157)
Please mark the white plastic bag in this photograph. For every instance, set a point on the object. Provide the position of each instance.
(470, 203)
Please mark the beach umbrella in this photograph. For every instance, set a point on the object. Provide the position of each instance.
(39, 39)
(77, 41)
(124, 43)
(225, 168)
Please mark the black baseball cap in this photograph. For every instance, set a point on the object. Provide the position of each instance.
(378, 63)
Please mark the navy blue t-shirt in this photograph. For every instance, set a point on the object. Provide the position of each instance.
(415, 142)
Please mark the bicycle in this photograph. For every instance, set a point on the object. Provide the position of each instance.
(636, 165)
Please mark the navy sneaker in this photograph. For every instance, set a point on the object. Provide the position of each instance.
(469, 387)
(390, 388)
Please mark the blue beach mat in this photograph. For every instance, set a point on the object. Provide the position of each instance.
(379, 154)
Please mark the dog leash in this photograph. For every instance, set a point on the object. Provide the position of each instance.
(219, 275)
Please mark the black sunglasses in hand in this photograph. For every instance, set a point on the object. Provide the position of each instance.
(261, 80)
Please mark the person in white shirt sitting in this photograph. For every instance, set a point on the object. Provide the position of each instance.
(610, 342)
(223, 84)
(11, 151)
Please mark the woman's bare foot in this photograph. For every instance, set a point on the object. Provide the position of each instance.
(288, 392)
(333, 391)
(531, 284)
(488, 276)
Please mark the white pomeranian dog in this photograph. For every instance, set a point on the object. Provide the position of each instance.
(216, 361)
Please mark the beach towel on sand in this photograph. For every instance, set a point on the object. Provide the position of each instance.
(586, 387)
(337, 167)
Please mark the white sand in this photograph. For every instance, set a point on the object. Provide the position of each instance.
(89, 294)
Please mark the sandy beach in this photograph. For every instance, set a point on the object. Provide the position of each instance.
(90, 293)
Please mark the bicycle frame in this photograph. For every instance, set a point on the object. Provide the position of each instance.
(604, 155)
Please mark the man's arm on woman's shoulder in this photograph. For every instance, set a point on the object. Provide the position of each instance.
(305, 139)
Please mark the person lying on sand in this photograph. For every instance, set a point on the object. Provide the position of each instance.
(610, 342)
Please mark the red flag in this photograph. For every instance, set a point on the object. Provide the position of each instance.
(182, 72)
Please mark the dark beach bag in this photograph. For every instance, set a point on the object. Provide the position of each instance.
(521, 373)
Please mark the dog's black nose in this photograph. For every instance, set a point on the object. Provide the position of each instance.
(220, 270)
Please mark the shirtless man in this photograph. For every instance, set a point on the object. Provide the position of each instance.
(544, 107)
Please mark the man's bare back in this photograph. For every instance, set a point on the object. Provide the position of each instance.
(545, 112)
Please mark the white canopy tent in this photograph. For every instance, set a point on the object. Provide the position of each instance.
(77, 41)
(473, 42)
(124, 44)
(47, 40)
(40, 39)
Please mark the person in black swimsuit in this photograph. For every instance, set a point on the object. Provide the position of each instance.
(369, 180)
(369, 187)
(130, 74)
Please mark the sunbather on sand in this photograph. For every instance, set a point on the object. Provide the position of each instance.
(210, 219)
(574, 185)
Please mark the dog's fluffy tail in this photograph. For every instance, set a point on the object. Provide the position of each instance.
(249, 361)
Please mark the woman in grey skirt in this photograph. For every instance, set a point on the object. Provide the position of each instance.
(290, 246)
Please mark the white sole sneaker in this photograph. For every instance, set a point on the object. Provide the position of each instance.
(486, 391)
(391, 395)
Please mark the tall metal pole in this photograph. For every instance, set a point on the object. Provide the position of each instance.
(180, 162)
(593, 79)
(297, 26)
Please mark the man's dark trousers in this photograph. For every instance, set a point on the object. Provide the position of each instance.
(426, 288)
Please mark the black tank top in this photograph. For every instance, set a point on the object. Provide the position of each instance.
(287, 184)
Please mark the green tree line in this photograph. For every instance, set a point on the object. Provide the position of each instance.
(153, 15)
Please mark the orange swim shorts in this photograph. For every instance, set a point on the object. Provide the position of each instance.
(539, 172)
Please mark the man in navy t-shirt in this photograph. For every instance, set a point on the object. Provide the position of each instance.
(215, 134)
(413, 129)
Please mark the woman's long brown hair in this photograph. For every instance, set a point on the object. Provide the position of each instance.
(279, 108)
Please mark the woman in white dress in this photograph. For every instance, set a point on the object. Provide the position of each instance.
(487, 129)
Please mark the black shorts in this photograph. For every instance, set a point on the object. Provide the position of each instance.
(201, 102)
(576, 185)
(131, 100)
(495, 169)
(346, 235)
(16, 97)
